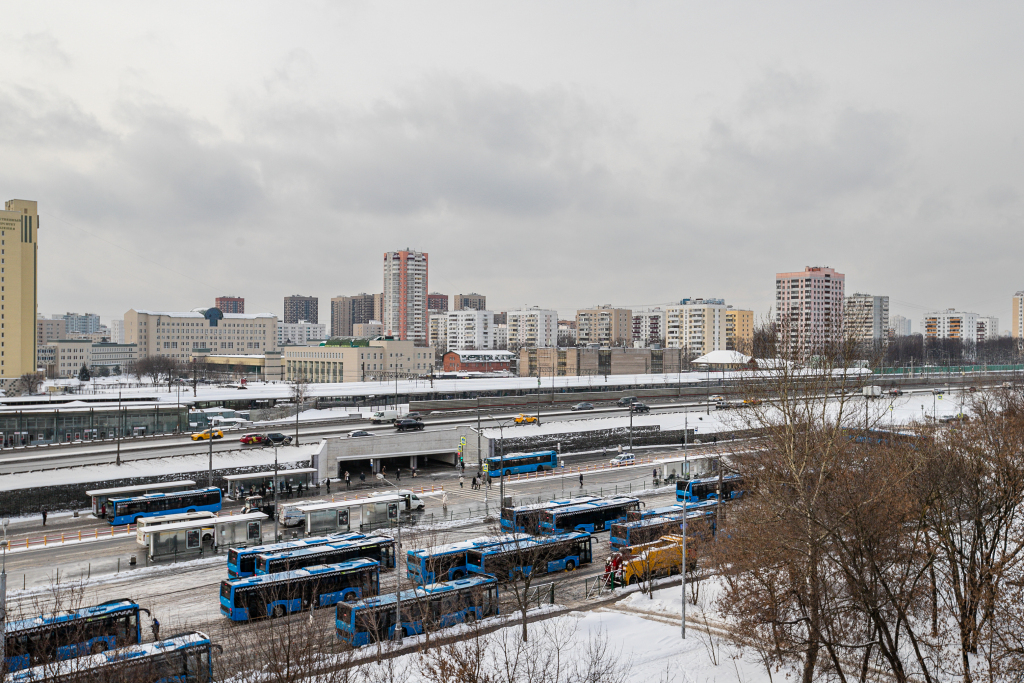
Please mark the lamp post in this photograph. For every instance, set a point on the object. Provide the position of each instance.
(118, 429)
(3, 598)
(501, 461)
(398, 553)
(276, 516)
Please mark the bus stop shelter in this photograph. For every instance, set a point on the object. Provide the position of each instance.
(187, 539)
(240, 485)
(337, 516)
(101, 496)
(672, 469)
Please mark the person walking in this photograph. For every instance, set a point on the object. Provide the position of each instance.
(44, 516)
(362, 478)
(348, 480)
(462, 481)
(398, 474)
(328, 485)
(581, 480)
(472, 484)
(156, 629)
(444, 502)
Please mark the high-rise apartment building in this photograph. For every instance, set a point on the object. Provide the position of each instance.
(1017, 319)
(649, 327)
(79, 325)
(866, 317)
(437, 303)
(698, 326)
(349, 311)
(117, 331)
(987, 328)
(809, 308)
(405, 295)
(470, 330)
(950, 324)
(899, 326)
(474, 301)
(230, 304)
(604, 325)
(298, 307)
(739, 330)
(378, 306)
(19, 226)
(50, 329)
(178, 334)
(437, 335)
(532, 327)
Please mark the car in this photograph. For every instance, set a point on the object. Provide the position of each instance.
(253, 439)
(359, 432)
(939, 390)
(752, 401)
(715, 398)
(622, 459)
(583, 406)
(625, 401)
(403, 425)
(639, 408)
(946, 418)
(206, 434)
(279, 439)
(409, 416)
(522, 419)
(895, 391)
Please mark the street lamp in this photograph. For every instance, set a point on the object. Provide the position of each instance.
(501, 461)
(3, 596)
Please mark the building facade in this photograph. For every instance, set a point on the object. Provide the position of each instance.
(899, 326)
(648, 327)
(572, 361)
(376, 359)
(117, 331)
(19, 227)
(348, 311)
(474, 301)
(697, 326)
(298, 307)
(50, 328)
(368, 330)
(809, 308)
(478, 361)
(500, 336)
(532, 327)
(437, 303)
(1017, 318)
(437, 335)
(230, 304)
(177, 334)
(405, 295)
(469, 329)
(604, 325)
(950, 324)
(69, 355)
(866, 317)
(301, 332)
(988, 328)
(739, 329)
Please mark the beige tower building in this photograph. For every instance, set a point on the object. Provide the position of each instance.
(19, 225)
(1017, 329)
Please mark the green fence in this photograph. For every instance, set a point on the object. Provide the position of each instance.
(946, 369)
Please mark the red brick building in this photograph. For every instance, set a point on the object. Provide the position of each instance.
(478, 361)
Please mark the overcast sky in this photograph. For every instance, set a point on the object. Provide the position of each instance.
(561, 154)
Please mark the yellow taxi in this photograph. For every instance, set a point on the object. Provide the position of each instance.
(521, 419)
(208, 434)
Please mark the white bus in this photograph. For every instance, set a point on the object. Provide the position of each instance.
(290, 515)
(150, 522)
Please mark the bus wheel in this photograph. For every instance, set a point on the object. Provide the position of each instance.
(457, 574)
(98, 647)
(508, 473)
(470, 617)
(540, 468)
(278, 611)
(349, 597)
(570, 566)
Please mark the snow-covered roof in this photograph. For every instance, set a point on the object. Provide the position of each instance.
(722, 357)
(201, 313)
(484, 355)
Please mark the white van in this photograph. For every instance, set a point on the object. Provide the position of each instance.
(290, 514)
(382, 416)
(412, 501)
(230, 423)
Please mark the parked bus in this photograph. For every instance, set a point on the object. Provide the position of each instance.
(446, 562)
(183, 658)
(101, 496)
(674, 509)
(436, 605)
(598, 515)
(159, 520)
(56, 637)
(524, 519)
(543, 554)
(518, 463)
(131, 510)
(276, 595)
(702, 489)
(380, 548)
(646, 530)
(242, 561)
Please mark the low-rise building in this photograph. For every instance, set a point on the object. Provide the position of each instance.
(357, 361)
(48, 329)
(479, 361)
(265, 366)
(176, 334)
(368, 330)
(573, 361)
(69, 355)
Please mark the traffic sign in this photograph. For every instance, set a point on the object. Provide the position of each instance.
(462, 440)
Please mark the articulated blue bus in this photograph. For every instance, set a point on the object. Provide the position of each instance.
(424, 608)
(242, 561)
(518, 463)
(524, 519)
(56, 637)
(183, 658)
(446, 562)
(694, 490)
(651, 529)
(276, 595)
(380, 548)
(131, 510)
(598, 515)
(541, 554)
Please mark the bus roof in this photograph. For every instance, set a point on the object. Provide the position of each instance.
(200, 523)
(259, 475)
(391, 498)
(155, 496)
(711, 480)
(556, 503)
(357, 563)
(141, 487)
(594, 505)
(462, 546)
(96, 610)
(521, 455)
(421, 592)
(533, 542)
(654, 521)
(322, 547)
(300, 543)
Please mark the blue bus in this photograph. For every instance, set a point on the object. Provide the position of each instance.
(651, 529)
(242, 561)
(524, 518)
(707, 488)
(380, 548)
(446, 562)
(131, 510)
(675, 508)
(598, 515)
(518, 463)
(56, 637)
(544, 554)
(424, 608)
(183, 658)
(276, 595)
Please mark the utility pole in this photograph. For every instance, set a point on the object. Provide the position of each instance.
(630, 409)
(210, 432)
(682, 572)
(118, 429)
(276, 516)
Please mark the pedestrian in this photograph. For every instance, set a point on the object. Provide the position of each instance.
(348, 480)
(398, 474)
(362, 478)
(156, 629)
(462, 480)
(472, 484)
(103, 510)
(44, 516)
(444, 502)
(581, 480)
(384, 470)
(328, 484)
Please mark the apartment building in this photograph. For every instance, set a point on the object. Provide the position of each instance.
(117, 331)
(532, 327)
(469, 330)
(988, 328)
(375, 359)
(69, 355)
(950, 324)
(349, 311)
(739, 329)
(604, 325)
(437, 333)
(48, 329)
(301, 332)
(230, 304)
(500, 335)
(899, 326)
(477, 302)
(648, 327)
(79, 324)
(405, 295)
(697, 326)
(566, 333)
(437, 303)
(374, 328)
(866, 317)
(298, 307)
(809, 308)
(176, 334)
(1017, 318)
(19, 227)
